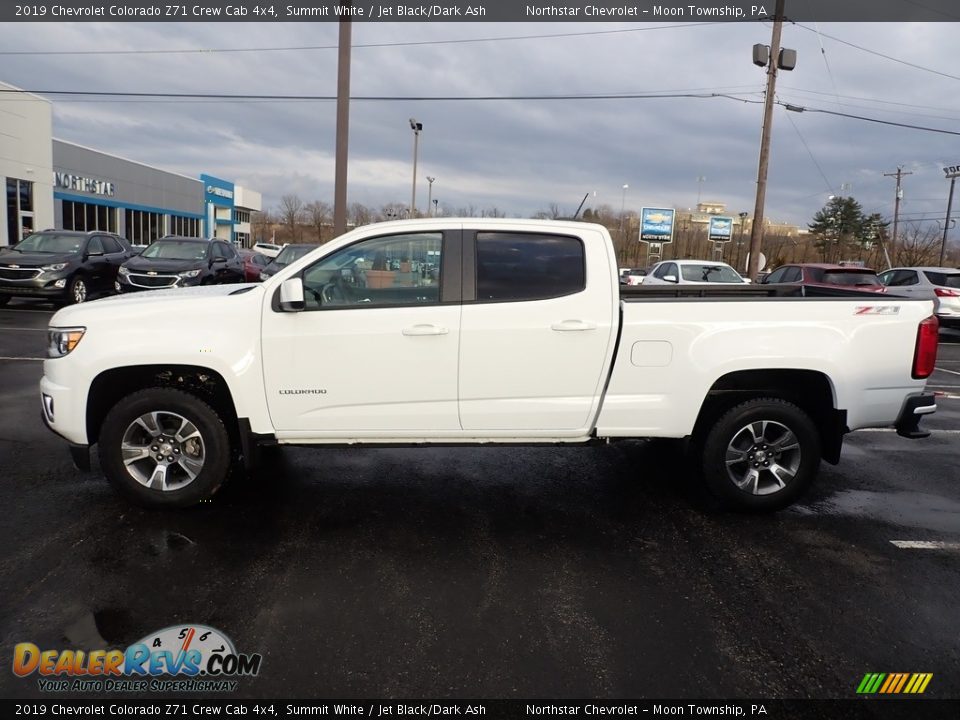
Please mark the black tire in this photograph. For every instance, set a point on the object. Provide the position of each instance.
(4, 299)
(765, 474)
(212, 451)
(78, 290)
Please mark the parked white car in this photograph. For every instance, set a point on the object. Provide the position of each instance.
(940, 284)
(692, 272)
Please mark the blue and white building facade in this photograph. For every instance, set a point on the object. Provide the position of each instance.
(52, 183)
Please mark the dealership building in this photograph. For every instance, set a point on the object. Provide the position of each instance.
(51, 183)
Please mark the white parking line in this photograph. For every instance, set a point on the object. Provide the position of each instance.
(10, 327)
(20, 358)
(952, 372)
(890, 430)
(925, 545)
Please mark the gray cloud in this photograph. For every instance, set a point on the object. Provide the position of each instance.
(520, 156)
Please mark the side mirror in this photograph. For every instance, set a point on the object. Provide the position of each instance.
(291, 295)
(670, 278)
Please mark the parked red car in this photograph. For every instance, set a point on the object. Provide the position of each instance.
(253, 264)
(827, 275)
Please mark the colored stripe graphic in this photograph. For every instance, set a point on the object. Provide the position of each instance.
(894, 683)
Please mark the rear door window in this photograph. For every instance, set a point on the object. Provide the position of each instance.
(792, 275)
(527, 266)
(943, 279)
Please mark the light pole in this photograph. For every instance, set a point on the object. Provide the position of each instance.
(623, 204)
(430, 195)
(416, 127)
(743, 219)
(952, 173)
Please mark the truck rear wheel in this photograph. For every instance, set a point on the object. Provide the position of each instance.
(164, 448)
(761, 455)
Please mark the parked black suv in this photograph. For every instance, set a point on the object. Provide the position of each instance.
(173, 262)
(66, 266)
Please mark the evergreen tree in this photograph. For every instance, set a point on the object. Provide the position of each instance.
(840, 224)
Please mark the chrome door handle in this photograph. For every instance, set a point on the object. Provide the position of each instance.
(425, 329)
(573, 326)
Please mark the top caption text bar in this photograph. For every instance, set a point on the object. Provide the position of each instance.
(265, 11)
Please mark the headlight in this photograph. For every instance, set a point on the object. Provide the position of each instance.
(190, 273)
(61, 341)
(54, 268)
(123, 271)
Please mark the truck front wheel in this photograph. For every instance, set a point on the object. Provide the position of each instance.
(761, 455)
(161, 447)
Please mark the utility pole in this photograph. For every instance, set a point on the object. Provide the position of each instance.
(896, 202)
(343, 130)
(756, 230)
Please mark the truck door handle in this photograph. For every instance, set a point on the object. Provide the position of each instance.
(425, 329)
(573, 326)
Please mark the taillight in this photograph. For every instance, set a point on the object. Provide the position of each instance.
(946, 292)
(925, 353)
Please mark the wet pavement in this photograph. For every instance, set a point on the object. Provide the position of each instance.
(494, 572)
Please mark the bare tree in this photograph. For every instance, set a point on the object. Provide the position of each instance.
(318, 213)
(918, 246)
(261, 225)
(291, 215)
(358, 214)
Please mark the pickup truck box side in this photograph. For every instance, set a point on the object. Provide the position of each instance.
(480, 331)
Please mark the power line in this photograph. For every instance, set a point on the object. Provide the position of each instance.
(798, 108)
(810, 153)
(875, 100)
(880, 54)
(408, 43)
(383, 98)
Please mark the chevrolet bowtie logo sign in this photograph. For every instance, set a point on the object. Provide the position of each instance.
(151, 272)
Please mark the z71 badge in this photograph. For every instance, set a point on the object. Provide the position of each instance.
(877, 310)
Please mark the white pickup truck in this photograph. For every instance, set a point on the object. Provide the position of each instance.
(466, 331)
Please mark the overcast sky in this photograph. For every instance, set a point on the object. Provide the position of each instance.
(520, 155)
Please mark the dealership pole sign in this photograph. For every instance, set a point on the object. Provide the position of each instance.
(656, 225)
(721, 228)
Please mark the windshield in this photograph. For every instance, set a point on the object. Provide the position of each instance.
(710, 273)
(51, 243)
(176, 250)
(950, 280)
(851, 277)
(291, 253)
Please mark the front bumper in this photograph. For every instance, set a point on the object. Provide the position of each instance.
(913, 410)
(44, 286)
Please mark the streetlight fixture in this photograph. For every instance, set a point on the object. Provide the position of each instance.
(430, 195)
(417, 128)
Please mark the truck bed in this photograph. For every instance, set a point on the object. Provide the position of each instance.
(636, 293)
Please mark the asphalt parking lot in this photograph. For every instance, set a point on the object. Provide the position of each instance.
(495, 572)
